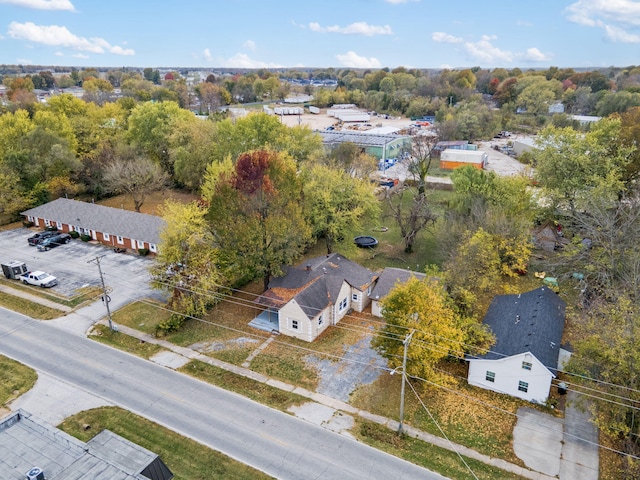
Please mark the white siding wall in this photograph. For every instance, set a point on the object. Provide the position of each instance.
(508, 373)
(376, 308)
(290, 313)
(345, 294)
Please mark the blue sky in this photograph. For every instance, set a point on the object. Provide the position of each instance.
(321, 33)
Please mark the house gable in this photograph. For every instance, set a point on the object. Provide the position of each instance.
(522, 376)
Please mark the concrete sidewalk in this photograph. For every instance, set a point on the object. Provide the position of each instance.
(178, 356)
(34, 298)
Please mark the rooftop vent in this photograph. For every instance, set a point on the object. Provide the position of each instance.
(35, 473)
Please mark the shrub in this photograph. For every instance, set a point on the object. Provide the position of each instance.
(172, 324)
(143, 251)
(85, 238)
(27, 224)
(74, 234)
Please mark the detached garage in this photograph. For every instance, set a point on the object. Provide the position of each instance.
(451, 159)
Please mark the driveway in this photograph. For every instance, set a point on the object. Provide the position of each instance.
(565, 448)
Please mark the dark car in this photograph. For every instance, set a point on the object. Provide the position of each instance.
(54, 241)
(40, 236)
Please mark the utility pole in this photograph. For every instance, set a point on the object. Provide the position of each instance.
(405, 342)
(105, 297)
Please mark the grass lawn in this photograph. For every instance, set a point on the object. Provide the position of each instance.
(464, 413)
(15, 379)
(29, 308)
(260, 392)
(434, 458)
(104, 334)
(187, 459)
(83, 295)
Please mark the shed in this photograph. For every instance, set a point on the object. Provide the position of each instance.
(452, 158)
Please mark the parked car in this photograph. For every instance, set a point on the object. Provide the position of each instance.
(54, 241)
(39, 237)
(39, 279)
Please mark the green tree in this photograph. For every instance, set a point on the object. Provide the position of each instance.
(186, 264)
(256, 214)
(609, 354)
(569, 165)
(420, 306)
(335, 203)
(150, 127)
(192, 150)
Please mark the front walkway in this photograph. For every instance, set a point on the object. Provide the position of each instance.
(337, 405)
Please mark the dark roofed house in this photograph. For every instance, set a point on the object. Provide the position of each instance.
(34, 450)
(388, 279)
(310, 297)
(111, 226)
(528, 329)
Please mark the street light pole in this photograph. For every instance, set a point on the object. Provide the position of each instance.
(405, 342)
(104, 292)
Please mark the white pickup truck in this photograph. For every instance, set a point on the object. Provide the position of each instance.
(39, 278)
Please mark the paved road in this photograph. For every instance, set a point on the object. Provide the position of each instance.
(274, 442)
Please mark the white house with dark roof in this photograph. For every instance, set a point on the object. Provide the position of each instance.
(32, 449)
(310, 297)
(528, 329)
(111, 226)
(389, 278)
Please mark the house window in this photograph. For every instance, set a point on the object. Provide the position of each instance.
(30, 218)
(59, 225)
(526, 365)
(105, 236)
(47, 223)
(152, 247)
(490, 376)
(321, 319)
(355, 297)
(120, 239)
(523, 386)
(343, 305)
(140, 243)
(294, 324)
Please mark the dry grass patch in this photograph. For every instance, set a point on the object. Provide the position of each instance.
(152, 203)
(474, 417)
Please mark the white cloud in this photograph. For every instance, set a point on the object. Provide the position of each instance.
(590, 12)
(614, 17)
(24, 61)
(484, 51)
(80, 55)
(357, 28)
(117, 50)
(55, 35)
(442, 37)
(616, 34)
(241, 60)
(207, 55)
(535, 55)
(353, 60)
(42, 4)
(250, 44)
(59, 54)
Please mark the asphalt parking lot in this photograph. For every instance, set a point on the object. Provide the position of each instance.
(74, 264)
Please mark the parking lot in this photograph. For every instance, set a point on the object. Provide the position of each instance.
(126, 275)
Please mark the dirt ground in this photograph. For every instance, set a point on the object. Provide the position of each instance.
(321, 121)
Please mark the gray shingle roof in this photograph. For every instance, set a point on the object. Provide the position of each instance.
(358, 138)
(528, 322)
(316, 283)
(389, 278)
(114, 221)
(27, 442)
